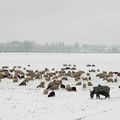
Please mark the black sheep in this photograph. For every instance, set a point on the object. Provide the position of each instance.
(51, 94)
(62, 86)
(100, 90)
(74, 89)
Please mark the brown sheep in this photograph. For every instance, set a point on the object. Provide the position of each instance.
(110, 80)
(45, 92)
(54, 87)
(47, 78)
(88, 74)
(90, 83)
(42, 85)
(5, 67)
(115, 80)
(15, 80)
(84, 86)
(23, 83)
(68, 88)
(64, 78)
(79, 83)
(85, 79)
(27, 79)
(50, 84)
(58, 82)
(77, 78)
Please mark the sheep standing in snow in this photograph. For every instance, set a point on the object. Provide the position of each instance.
(84, 86)
(42, 85)
(45, 91)
(51, 94)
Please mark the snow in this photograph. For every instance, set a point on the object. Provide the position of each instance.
(29, 103)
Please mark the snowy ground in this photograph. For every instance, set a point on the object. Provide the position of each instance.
(28, 103)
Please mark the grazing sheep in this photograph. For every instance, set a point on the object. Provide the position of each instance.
(84, 86)
(54, 87)
(90, 84)
(88, 65)
(73, 68)
(51, 94)
(28, 65)
(53, 69)
(92, 70)
(42, 85)
(23, 83)
(100, 90)
(46, 69)
(19, 67)
(85, 78)
(68, 88)
(116, 80)
(110, 80)
(98, 70)
(89, 78)
(47, 78)
(58, 82)
(77, 78)
(5, 67)
(64, 78)
(45, 92)
(50, 84)
(15, 80)
(73, 88)
(93, 65)
(67, 68)
(9, 76)
(62, 86)
(65, 65)
(79, 83)
(88, 74)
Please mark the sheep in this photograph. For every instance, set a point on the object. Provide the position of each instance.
(42, 85)
(15, 80)
(64, 78)
(51, 94)
(116, 80)
(84, 86)
(90, 83)
(68, 88)
(79, 83)
(88, 65)
(45, 91)
(50, 84)
(23, 83)
(62, 86)
(93, 65)
(85, 79)
(54, 87)
(73, 88)
(87, 74)
(58, 82)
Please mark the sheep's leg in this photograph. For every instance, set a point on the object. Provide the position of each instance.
(97, 95)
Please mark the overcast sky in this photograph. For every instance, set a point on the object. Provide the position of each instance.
(82, 21)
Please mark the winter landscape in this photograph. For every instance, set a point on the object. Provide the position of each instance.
(59, 59)
(28, 102)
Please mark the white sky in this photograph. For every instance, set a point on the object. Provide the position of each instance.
(83, 21)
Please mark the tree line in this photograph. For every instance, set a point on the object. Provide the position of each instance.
(31, 46)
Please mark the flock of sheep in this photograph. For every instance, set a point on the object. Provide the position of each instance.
(52, 80)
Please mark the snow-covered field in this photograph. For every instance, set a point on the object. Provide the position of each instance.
(29, 103)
